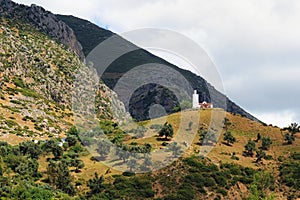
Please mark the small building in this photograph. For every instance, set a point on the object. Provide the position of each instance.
(205, 105)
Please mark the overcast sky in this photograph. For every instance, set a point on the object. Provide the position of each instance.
(255, 44)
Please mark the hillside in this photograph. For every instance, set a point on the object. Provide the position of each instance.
(91, 35)
(49, 151)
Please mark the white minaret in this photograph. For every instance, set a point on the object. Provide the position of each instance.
(195, 99)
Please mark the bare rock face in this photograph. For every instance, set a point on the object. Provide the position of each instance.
(44, 21)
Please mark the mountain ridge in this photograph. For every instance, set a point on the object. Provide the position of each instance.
(90, 35)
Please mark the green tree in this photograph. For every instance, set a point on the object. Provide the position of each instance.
(96, 184)
(249, 148)
(60, 177)
(289, 138)
(77, 163)
(166, 130)
(266, 143)
(262, 181)
(73, 131)
(104, 147)
(229, 138)
(260, 154)
(31, 149)
(227, 124)
(71, 140)
(293, 128)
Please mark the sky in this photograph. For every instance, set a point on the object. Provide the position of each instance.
(254, 44)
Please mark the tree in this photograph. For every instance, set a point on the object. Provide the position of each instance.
(77, 163)
(71, 140)
(293, 128)
(289, 138)
(73, 131)
(258, 137)
(31, 149)
(166, 130)
(229, 138)
(132, 164)
(104, 147)
(52, 146)
(227, 123)
(266, 143)
(96, 184)
(146, 164)
(123, 153)
(175, 148)
(59, 176)
(190, 126)
(249, 148)
(207, 137)
(260, 154)
(57, 152)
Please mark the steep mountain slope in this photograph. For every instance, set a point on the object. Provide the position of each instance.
(91, 35)
(44, 21)
(37, 77)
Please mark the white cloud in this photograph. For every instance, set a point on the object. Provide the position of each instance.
(255, 44)
(281, 119)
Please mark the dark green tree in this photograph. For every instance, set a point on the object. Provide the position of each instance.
(266, 143)
(289, 138)
(250, 147)
(260, 154)
(60, 177)
(166, 130)
(258, 137)
(227, 124)
(96, 184)
(71, 140)
(229, 138)
(73, 131)
(293, 128)
(77, 163)
(30, 149)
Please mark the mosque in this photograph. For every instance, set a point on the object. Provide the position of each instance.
(198, 105)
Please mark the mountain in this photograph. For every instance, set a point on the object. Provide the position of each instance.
(38, 72)
(44, 21)
(44, 156)
(90, 35)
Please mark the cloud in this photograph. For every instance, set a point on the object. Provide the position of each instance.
(255, 44)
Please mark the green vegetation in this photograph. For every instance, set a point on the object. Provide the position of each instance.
(166, 131)
(249, 148)
(229, 138)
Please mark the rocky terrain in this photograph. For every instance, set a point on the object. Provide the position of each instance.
(44, 21)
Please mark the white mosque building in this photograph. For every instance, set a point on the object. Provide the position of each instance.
(197, 105)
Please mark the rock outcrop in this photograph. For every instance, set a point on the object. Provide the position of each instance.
(44, 21)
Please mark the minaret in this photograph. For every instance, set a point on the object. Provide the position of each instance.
(195, 99)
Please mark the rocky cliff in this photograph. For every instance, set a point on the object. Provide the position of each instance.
(44, 21)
